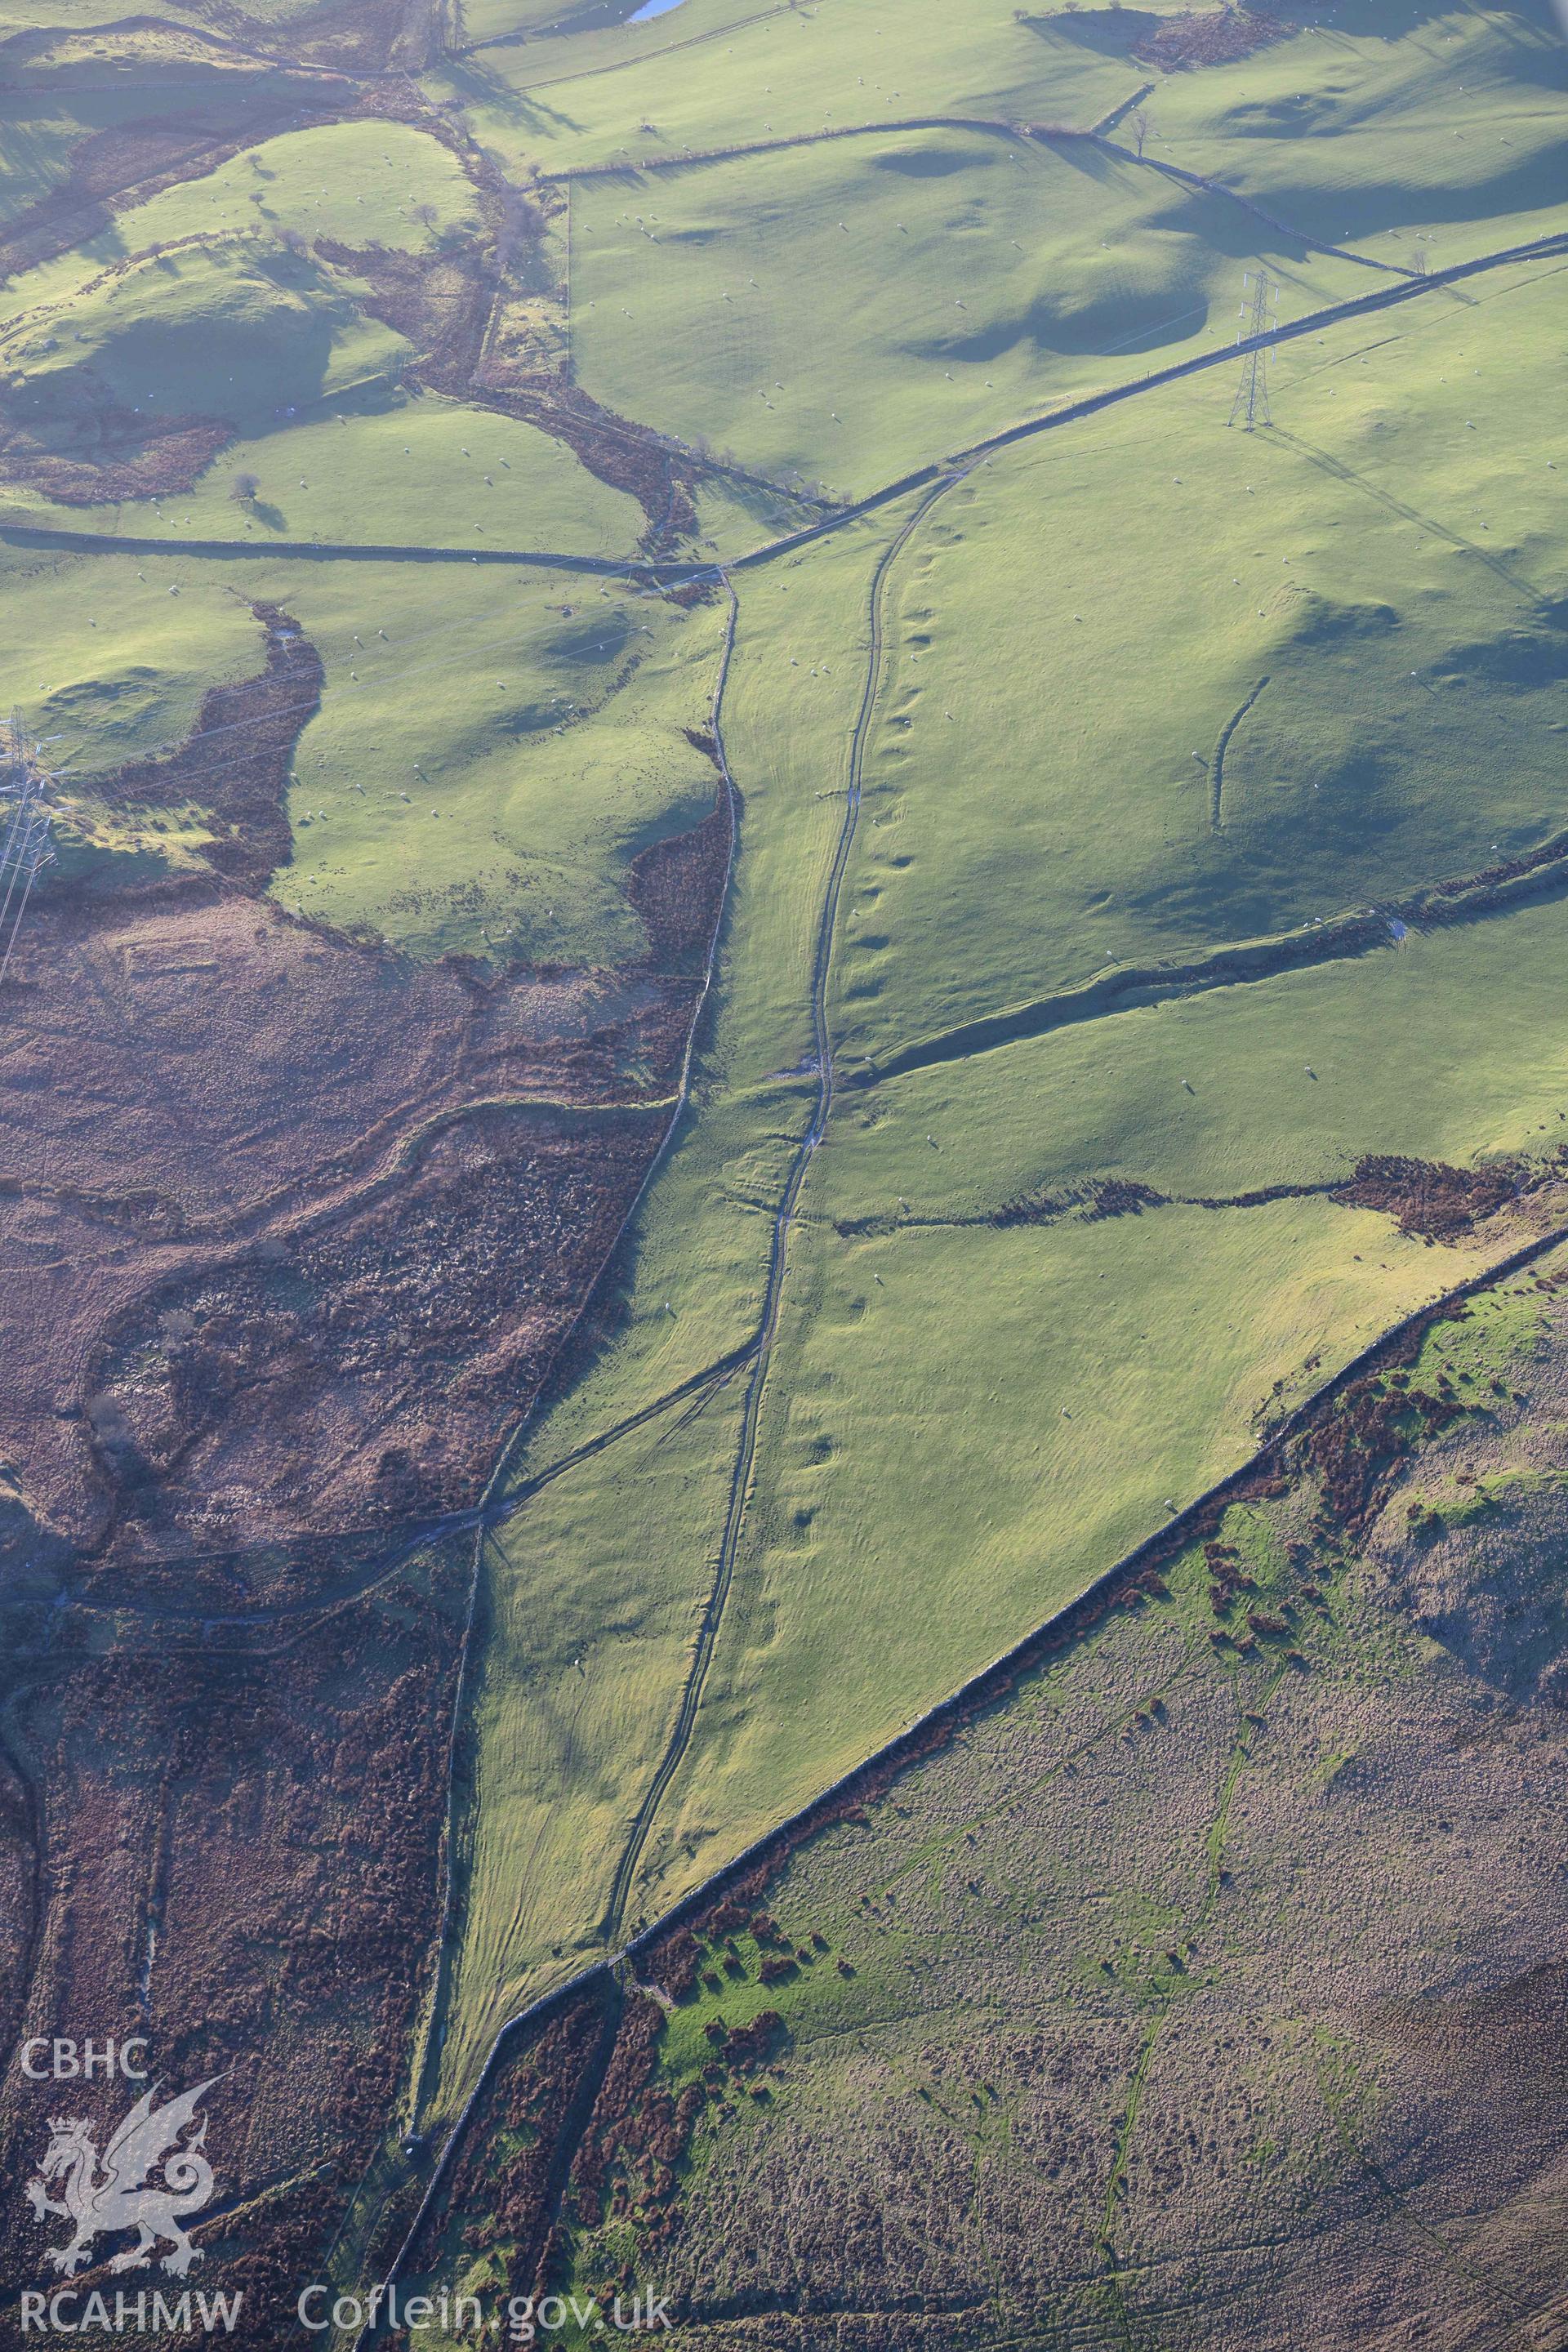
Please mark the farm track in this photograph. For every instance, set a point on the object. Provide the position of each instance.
(982, 1690)
(934, 473)
(757, 1350)
(778, 1259)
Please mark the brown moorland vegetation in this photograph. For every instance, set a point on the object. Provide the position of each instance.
(328, 1216)
(1216, 37)
(199, 1871)
(1209, 1984)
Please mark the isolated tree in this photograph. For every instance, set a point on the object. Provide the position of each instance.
(1138, 123)
(426, 215)
(243, 489)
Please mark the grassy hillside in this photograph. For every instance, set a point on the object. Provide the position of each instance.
(359, 182)
(106, 664)
(235, 331)
(483, 779)
(1130, 693)
(480, 775)
(717, 72)
(849, 309)
(1370, 596)
(1077, 1377)
(1394, 131)
(366, 463)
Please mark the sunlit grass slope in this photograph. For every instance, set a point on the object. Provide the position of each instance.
(967, 1426)
(374, 464)
(1391, 128)
(591, 1602)
(1379, 579)
(481, 771)
(235, 331)
(765, 72)
(482, 775)
(105, 663)
(645, 1517)
(359, 182)
(848, 310)
(964, 1421)
(1451, 1047)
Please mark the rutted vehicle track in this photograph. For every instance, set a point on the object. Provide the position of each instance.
(756, 1351)
(778, 1257)
(983, 1690)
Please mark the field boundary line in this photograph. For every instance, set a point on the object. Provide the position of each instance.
(778, 1259)
(990, 1686)
(1128, 988)
(1220, 188)
(716, 569)
(783, 141)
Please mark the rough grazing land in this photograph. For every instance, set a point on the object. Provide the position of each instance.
(1096, 1065)
(1207, 1991)
(312, 1223)
(185, 1821)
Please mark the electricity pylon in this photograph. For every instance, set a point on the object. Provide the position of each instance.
(26, 847)
(1251, 402)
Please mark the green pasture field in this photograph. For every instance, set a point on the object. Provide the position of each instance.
(1087, 615)
(963, 1422)
(536, 729)
(358, 182)
(231, 331)
(538, 753)
(922, 1497)
(371, 464)
(174, 77)
(1394, 130)
(846, 311)
(1451, 1047)
(477, 778)
(717, 75)
(591, 1595)
(108, 666)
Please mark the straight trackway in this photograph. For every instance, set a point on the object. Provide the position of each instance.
(778, 1256)
(930, 475)
(757, 1350)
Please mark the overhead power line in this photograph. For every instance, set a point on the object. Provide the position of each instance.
(28, 846)
(1251, 402)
